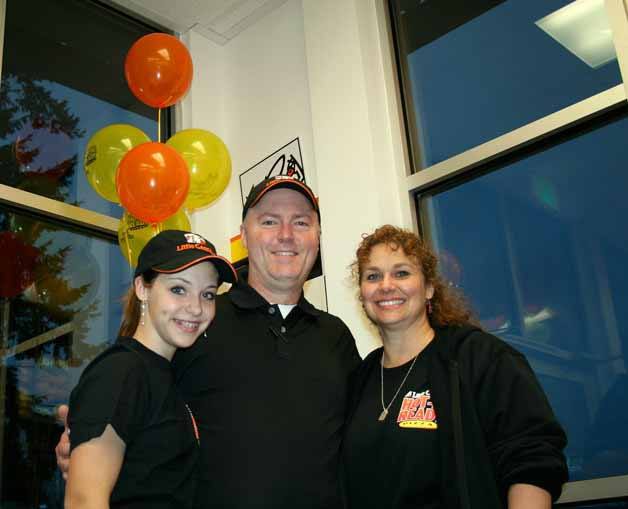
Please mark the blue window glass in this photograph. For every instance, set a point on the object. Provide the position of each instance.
(62, 81)
(476, 70)
(60, 294)
(540, 247)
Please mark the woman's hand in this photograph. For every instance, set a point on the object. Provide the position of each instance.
(527, 496)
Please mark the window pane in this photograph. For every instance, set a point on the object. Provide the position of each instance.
(540, 248)
(489, 66)
(60, 296)
(62, 81)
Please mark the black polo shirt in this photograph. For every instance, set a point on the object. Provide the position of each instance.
(269, 395)
(132, 388)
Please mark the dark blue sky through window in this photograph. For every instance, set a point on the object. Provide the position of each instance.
(539, 247)
(496, 72)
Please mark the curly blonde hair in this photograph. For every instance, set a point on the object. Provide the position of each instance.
(449, 307)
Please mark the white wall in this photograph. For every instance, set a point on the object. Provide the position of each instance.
(320, 70)
(357, 139)
(252, 93)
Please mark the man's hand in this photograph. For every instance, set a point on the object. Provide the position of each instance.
(62, 450)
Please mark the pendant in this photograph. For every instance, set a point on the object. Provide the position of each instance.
(383, 415)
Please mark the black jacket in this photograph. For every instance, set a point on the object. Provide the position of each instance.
(496, 427)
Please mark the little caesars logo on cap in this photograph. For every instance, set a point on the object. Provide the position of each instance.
(193, 238)
(283, 177)
(195, 241)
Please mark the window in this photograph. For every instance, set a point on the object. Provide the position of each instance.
(516, 121)
(63, 80)
(62, 274)
(487, 67)
(538, 246)
(61, 289)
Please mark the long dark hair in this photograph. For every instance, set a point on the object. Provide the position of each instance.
(132, 309)
(449, 307)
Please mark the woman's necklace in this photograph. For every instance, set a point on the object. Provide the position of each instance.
(384, 414)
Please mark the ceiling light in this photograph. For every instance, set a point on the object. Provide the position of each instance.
(582, 27)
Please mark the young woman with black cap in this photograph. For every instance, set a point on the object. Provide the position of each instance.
(133, 439)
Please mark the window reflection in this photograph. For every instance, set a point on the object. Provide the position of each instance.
(486, 67)
(59, 86)
(539, 246)
(59, 307)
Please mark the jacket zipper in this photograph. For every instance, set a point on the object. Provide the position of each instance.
(463, 487)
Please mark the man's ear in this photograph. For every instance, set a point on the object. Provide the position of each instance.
(243, 235)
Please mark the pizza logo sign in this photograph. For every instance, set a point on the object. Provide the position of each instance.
(290, 168)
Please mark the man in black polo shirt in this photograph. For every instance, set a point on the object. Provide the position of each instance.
(269, 384)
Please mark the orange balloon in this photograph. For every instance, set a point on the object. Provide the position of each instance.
(152, 182)
(158, 69)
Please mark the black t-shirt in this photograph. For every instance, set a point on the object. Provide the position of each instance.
(270, 398)
(132, 388)
(394, 464)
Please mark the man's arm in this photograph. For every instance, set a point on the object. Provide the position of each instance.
(62, 450)
(94, 469)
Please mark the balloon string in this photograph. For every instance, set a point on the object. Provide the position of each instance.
(128, 248)
(159, 125)
(125, 228)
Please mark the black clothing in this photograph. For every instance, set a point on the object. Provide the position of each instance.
(495, 425)
(132, 388)
(395, 462)
(269, 395)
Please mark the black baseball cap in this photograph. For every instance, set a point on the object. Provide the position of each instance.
(172, 251)
(279, 182)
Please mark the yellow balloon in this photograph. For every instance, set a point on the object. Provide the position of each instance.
(209, 164)
(103, 153)
(133, 234)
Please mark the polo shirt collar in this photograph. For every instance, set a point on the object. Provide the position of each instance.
(307, 307)
(246, 297)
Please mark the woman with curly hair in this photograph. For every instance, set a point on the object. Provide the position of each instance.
(445, 415)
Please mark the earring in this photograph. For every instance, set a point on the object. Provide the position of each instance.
(143, 313)
(205, 334)
(428, 303)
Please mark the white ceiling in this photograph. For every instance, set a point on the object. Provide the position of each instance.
(218, 20)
